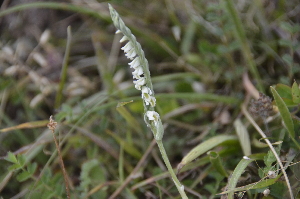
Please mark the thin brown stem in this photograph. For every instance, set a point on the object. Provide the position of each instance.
(52, 125)
(250, 119)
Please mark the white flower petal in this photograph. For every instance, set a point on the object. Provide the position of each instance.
(150, 115)
(124, 38)
(118, 31)
(127, 47)
(154, 116)
(152, 101)
(146, 95)
(147, 90)
(131, 54)
(137, 72)
(139, 83)
(135, 63)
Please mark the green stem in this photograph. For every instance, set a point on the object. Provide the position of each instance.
(241, 37)
(170, 169)
(295, 142)
(63, 76)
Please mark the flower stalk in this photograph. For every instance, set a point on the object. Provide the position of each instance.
(142, 81)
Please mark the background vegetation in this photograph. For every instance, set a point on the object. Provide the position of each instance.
(206, 58)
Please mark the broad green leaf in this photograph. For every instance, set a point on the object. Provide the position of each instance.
(285, 93)
(286, 26)
(279, 189)
(269, 159)
(48, 194)
(85, 176)
(284, 112)
(296, 93)
(24, 175)
(288, 59)
(21, 159)
(205, 146)
(11, 157)
(32, 167)
(285, 43)
(14, 167)
(47, 175)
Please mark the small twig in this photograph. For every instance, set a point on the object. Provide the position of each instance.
(52, 125)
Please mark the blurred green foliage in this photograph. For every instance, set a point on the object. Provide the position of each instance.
(198, 54)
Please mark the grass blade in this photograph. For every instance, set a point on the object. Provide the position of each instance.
(63, 76)
(243, 136)
(284, 112)
(204, 147)
(239, 169)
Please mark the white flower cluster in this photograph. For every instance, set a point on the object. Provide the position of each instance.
(152, 115)
(138, 73)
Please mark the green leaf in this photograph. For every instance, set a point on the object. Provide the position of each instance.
(243, 136)
(269, 159)
(14, 167)
(285, 43)
(284, 112)
(21, 159)
(205, 146)
(24, 175)
(284, 91)
(47, 175)
(11, 157)
(257, 185)
(217, 163)
(296, 93)
(48, 194)
(278, 190)
(286, 26)
(239, 169)
(288, 59)
(91, 174)
(32, 167)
